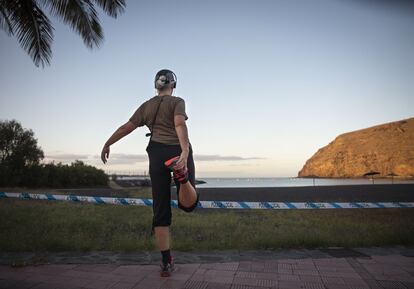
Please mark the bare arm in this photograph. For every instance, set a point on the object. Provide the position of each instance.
(122, 131)
(182, 133)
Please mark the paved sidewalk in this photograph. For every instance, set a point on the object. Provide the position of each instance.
(364, 268)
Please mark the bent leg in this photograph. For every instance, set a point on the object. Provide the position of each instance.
(186, 193)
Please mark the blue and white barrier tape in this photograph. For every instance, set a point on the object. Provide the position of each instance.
(212, 204)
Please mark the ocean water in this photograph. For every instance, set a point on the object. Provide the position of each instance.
(289, 182)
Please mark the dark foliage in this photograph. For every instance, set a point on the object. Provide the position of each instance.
(20, 163)
(27, 20)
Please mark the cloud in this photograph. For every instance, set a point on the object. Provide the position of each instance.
(125, 159)
(66, 158)
(223, 158)
(130, 159)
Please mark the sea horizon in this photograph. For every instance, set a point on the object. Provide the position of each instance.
(223, 182)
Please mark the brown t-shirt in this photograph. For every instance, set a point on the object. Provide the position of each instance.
(163, 130)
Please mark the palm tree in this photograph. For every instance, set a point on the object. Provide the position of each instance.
(26, 20)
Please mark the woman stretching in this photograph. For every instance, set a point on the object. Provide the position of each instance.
(169, 150)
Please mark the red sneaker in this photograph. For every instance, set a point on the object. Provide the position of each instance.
(180, 174)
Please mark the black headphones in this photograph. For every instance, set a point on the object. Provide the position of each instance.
(164, 77)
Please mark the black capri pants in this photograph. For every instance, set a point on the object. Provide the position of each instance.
(160, 176)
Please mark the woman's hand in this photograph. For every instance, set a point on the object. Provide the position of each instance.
(182, 161)
(105, 154)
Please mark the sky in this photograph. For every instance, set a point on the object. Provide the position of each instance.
(266, 83)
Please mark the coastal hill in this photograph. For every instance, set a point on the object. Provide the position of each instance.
(386, 148)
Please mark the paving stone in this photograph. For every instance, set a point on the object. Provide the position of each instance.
(287, 277)
(227, 266)
(391, 284)
(200, 277)
(385, 269)
(333, 268)
(255, 282)
(283, 284)
(123, 285)
(244, 281)
(100, 284)
(243, 274)
(365, 275)
(258, 266)
(311, 267)
(16, 276)
(309, 278)
(68, 280)
(69, 286)
(133, 270)
(212, 285)
(79, 274)
(365, 260)
(332, 280)
(214, 273)
(253, 269)
(409, 285)
(172, 284)
(240, 286)
(340, 274)
(406, 277)
(207, 266)
(266, 275)
(352, 286)
(5, 283)
(285, 266)
(287, 261)
(194, 284)
(46, 269)
(179, 276)
(336, 286)
(270, 267)
(186, 268)
(271, 263)
(373, 284)
(285, 271)
(99, 268)
(150, 282)
(313, 285)
(39, 278)
(18, 284)
(343, 253)
(222, 279)
(245, 266)
(306, 272)
(354, 281)
(117, 277)
(266, 283)
(44, 286)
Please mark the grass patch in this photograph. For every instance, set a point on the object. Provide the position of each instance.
(61, 226)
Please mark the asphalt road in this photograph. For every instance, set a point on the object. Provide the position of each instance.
(348, 193)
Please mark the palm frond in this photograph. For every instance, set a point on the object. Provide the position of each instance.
(33, 30)
(81, 16)
(112, 7)
(4, 18)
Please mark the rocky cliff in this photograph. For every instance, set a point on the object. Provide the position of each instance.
(384, 148)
